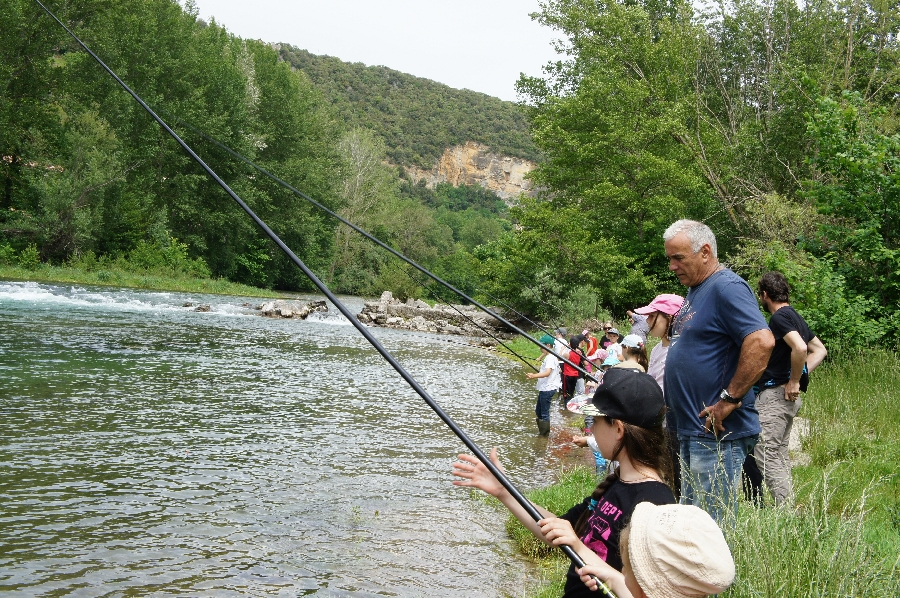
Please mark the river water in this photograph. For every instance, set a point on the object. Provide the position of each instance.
(150, 449)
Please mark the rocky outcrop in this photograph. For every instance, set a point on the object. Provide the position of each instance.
(282, 308)
(465, 320)
(473, 164)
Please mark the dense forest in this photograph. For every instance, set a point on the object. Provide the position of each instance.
(417, 118)
(775, 122)
(87, 176)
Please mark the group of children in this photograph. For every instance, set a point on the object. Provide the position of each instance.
(632, 537)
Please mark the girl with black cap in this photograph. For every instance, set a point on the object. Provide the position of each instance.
(628, 411)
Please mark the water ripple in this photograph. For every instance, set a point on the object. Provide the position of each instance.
(148, 449)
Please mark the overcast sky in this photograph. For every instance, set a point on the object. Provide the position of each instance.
(481, 45)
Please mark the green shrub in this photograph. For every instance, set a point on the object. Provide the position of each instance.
(169, 259)
(86, 262)
(254, 268)
(7, 255)
(840, 317)
(30, 258)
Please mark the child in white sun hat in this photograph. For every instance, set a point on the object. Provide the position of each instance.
(668, 551)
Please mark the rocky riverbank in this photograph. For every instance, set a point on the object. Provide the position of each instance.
(414, 314)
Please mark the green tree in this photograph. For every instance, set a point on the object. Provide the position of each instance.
(368, 186)
(71, 191)
(860, 191)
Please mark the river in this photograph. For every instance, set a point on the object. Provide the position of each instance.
(150, 449)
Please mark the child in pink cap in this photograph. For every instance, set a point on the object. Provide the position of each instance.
(660, 314)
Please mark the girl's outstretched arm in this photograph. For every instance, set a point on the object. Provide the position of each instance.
(608, 575)
(476, 475)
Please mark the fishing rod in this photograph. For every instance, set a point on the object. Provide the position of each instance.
(513, 491)
(388, 248)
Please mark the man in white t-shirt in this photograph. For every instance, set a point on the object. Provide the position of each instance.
(548, 383)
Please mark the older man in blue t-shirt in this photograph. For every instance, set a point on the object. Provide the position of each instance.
(720, 346)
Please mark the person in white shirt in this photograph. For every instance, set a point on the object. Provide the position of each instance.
(548, 383)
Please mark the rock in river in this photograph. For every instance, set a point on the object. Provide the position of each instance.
(283, 308)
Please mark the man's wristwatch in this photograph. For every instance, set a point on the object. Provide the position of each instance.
(724, 396)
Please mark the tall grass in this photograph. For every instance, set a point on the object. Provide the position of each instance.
(812, 551)
(842, 538)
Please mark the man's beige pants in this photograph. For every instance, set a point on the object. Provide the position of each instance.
(776, 416)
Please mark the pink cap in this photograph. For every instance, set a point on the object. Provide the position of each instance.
(667, 303)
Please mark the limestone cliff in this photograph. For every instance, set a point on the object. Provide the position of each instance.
(473, 164)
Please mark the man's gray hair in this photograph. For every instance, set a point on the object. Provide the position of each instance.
(698, 233)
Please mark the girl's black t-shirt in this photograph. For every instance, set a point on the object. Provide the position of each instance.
(610, 515)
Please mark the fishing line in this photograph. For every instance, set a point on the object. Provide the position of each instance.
(517, 312)
(513, 491)
(434, 296)
(386, 247)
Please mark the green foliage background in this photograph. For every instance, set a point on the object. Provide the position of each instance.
(773, 122)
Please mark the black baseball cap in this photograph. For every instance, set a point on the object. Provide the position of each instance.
(628, 395)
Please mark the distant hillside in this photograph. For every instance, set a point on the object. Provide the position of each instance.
(417, 118)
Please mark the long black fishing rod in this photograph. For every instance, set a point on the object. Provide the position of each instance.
(388, 248)
(514, 492)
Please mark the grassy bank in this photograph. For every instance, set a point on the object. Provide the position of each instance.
(137, 280)
(163, 267)
(843, 536)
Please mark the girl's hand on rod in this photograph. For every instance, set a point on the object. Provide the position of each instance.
(558, 532)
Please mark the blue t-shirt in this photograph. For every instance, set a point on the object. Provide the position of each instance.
(707, 335)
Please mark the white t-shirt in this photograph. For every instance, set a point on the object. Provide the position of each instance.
(657, 367)
(615, 349)
(551, 382)
(561, 349)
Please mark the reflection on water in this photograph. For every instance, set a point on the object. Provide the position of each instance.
(150, 449)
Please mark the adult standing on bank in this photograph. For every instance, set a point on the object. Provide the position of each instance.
(720, 346)
(639, 325)
(797, 352)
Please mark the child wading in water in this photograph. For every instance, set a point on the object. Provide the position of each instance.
(668, 551)
(628, 411)
(547, 385)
